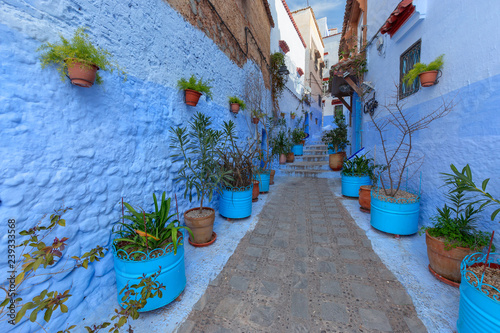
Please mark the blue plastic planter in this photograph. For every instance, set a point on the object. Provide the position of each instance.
(298, 150)
(351, 184)
(477, 312)
(236, 203)
(398, 218)
(172, 273)
(263, 179)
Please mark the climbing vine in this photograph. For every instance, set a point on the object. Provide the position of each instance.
(278, 80)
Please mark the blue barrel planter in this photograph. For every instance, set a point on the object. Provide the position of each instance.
(298, 150)
(351, 184)
(478, 312)
(173, 275)
(263, 179)
(394, 217)
(236, 202)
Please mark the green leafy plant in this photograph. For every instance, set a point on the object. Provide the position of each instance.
(466, 183)
(278, 80)
(298, 135)
(293, 114)
(237, 162)
(198, 148)
(419, 68)
(238, 101)
(148, 231)
(281, 144)
(38, 258)
(78, 49)
(258, 114)
(456, 223)
(197, 85)
(337, 137)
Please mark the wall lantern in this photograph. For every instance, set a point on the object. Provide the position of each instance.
(283, 70)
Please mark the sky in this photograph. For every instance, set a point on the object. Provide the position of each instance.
(332, 9)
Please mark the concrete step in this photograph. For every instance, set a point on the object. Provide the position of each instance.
(311, 158)
(315, 152)
(301, 165)
(322, 147)
(307, 173)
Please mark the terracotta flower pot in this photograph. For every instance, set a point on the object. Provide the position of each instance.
(290, 157)
(255, 120)
(365, 198)
(292, 116)
(255, 191)
(235, 107)
(445, 263)
(335, 161)
(303, 142)
(192, 97)
(81, 73)
(202, 227)
(271, 177)
(428, 79)
(282, 158)
(282, 114)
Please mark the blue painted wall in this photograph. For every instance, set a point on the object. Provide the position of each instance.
(470, 134)
(87, 148)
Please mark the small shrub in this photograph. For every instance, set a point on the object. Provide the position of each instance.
(238, 101)
(419, 68)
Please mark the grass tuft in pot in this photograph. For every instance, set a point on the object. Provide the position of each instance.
(236, 100)
(79, 50)
(192, 83)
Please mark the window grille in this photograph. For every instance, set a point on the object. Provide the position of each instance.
(408, 59)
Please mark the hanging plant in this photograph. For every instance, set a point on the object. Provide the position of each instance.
(78, 59)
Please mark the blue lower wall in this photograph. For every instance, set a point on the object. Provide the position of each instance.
(468, 135)
(87, 148)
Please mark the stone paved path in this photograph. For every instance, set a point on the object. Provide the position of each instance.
(305, 268)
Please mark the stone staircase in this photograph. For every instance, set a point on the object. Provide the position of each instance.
(314, 163)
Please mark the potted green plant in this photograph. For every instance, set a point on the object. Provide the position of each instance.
(193, 89)
(426, 73)
(236, 197)
(236, 104)
(293, 115)
(479, 309)
(336, 139)
(356, 172)
(453, 235)
(257, 115)
(281, 145)
(298, 135)
(197, 146)
(145, 243)
(78, 59)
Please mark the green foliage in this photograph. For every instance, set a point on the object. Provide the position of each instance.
(457, 223)
(236, 100)
(258, 114)
(199, 86)
(337, 137)
(292, 114)
(419, 68)
(278, 81)
(281, 144)
(235, 161)
(198, 147)
(362, 166)
(298, 135)
(466, 183)
(37, 258)
(78, 49)
(148, 231)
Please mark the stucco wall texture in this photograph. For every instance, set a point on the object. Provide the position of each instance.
(470, 133)
(87, 148)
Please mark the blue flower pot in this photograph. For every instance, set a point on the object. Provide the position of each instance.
(263, 179)
(236, 203)
(398, 218)
(477, 312)
(172, 273)
(351, 184)
(298, 150)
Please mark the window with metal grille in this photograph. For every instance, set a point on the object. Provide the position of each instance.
(408, 59)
